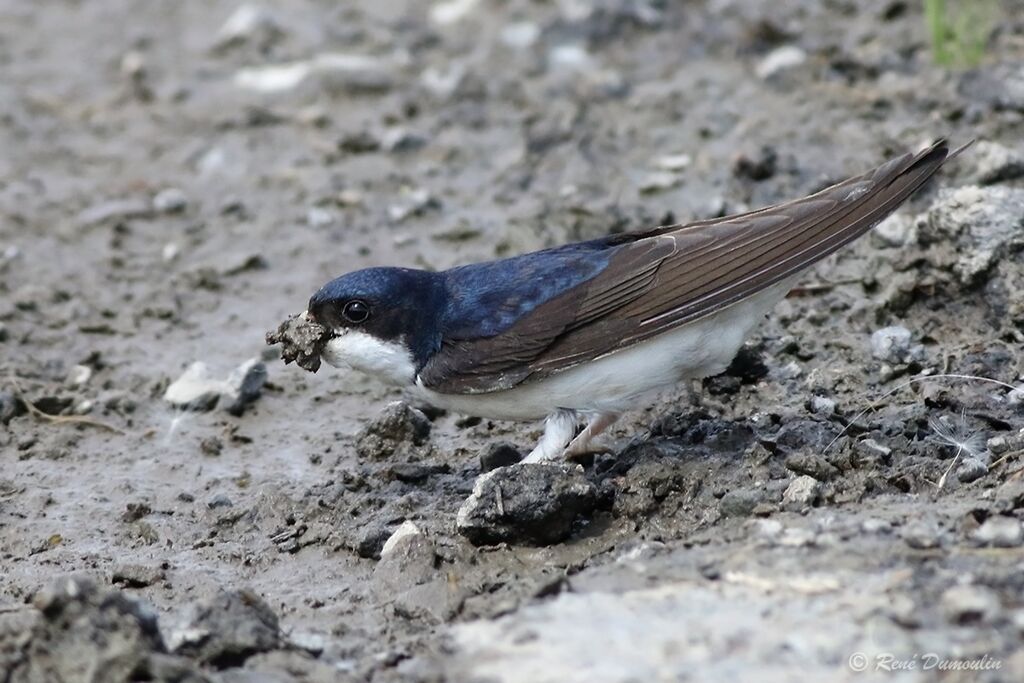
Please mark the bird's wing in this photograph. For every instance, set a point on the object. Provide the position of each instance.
(662, 278)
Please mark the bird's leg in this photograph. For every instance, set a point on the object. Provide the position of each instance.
(559, 428)
(581, 444)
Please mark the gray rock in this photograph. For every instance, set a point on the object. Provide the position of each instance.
(196, 390)
(740, 503)
(897, 230)
(371, 541)
(971, 469)
(873, 452)
(1005, 443)
(4, 334)
(873, 525)
(802, 492)
(526, 503)
(970, 604)
(982, 222)
(999, 532)
(171, 200)
(994, 163)
(228, 628)
(220, 500)
(891, 344)
(416, 203)
(922, 535)
(10, 407)
(397, 428)
(80, 630)
(136, 575)
(822, 405)
(244, 385)
(398, 140)
(500, 454)
(811, 464)
(78, 376)
(407, 577)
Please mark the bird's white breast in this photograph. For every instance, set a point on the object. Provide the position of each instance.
(613, 383)
(388, 361)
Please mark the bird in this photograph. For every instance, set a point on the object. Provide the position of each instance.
(578, 334)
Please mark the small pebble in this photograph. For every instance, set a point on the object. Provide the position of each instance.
(811, 464)
(320, 217)
(220, 500)
(78, 376)
(821, 405)
(10, 407)
(970, 604)
(171, 200)
(780, 59)
(873, 525)
(248, 24)
(740, 503)
(971, 469)
(891, 344)
(999, 532)
(802, 492)
(922, 535)
(520, 35)
(405, 530)
(1004, 443)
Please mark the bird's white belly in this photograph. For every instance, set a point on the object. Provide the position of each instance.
(612, 384)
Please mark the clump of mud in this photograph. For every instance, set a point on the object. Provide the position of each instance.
(302, 340)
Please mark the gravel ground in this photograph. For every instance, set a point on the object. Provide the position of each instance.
(178, 505)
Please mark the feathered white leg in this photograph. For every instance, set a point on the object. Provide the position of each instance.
(581, 444)
(559, 428)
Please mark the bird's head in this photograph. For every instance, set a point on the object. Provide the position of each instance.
(382, 321)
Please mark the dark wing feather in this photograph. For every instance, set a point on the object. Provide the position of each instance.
(659, 279)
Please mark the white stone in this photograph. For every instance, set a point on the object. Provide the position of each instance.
(406, 530)
(452, 11)
(520, 35)
(780, 59)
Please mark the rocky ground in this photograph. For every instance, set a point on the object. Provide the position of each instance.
(177, 505)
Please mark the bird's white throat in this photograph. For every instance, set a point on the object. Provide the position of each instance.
(388, 361)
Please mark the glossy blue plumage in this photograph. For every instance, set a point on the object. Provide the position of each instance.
(465, 303)
(486, 299)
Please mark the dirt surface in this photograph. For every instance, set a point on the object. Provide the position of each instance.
(173, 184)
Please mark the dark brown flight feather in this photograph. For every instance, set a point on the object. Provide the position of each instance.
(659, 279)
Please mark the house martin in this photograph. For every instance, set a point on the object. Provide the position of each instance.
(585, 331)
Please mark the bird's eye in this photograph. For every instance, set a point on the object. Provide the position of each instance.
(356, 311)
